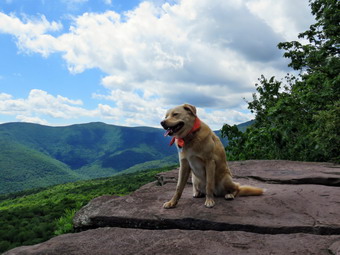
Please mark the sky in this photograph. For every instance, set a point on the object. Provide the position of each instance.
(122, 62)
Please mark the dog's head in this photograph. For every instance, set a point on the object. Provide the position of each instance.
(179, 120)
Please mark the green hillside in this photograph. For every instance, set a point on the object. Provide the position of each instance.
(23, 168)
(32, 217)
(83, 144)
(34, 155)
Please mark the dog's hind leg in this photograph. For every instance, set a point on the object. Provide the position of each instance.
(197, 187)
(230, 188)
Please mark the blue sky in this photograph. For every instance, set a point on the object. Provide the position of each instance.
(126, 62)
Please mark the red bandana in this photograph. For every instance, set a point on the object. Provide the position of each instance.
(180, 141)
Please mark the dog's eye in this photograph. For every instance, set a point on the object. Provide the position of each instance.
(174, 114)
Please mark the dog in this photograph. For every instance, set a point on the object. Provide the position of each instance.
(202, 153)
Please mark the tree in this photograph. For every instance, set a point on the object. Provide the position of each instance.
(298, 118)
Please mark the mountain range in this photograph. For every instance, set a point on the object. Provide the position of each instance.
(33, 155)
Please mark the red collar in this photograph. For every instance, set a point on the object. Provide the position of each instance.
(180, 141)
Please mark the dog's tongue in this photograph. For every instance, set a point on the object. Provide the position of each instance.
(167, 132)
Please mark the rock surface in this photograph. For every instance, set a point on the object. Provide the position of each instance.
(140, 241)
(298, 214)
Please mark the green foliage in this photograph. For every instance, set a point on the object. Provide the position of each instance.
(236, 141)
(64, 223)
(39, 215)
(298, 118)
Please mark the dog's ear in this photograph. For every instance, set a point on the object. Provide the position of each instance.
(190, 108)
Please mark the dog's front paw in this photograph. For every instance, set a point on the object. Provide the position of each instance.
(170, 204)
(209, 203)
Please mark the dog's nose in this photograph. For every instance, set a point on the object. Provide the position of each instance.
(163, 123)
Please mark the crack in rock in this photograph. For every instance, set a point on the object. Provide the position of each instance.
(308, 180)
(195, 224)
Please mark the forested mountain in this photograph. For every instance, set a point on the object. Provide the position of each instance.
(33, 155)
(22, 168)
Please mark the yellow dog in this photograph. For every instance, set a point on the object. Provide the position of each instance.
(201, 152)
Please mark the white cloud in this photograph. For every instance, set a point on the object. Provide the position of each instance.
(40, 103)
(37, 120)
(286, 17)
(31, 33)
(206, 53)
(215, 118)
(108, 112)
(4, 96)
(117, 82)
(27, 27)
(10, 106)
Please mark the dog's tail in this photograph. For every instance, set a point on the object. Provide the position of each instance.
(245, 190)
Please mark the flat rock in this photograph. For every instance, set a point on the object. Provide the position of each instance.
(180, 242)
(298, 214)
(284, 208)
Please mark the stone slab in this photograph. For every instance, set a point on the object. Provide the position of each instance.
(282, 209)
(305, 209)
(120, 241)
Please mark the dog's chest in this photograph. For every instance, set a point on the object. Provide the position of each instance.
(196, 164)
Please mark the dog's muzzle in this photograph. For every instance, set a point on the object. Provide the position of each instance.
(170, 130)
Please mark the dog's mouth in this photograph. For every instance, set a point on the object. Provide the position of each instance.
(174, 129)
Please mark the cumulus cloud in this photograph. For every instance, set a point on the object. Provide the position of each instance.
(31, 33)
(208, 53)
(40, 103)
